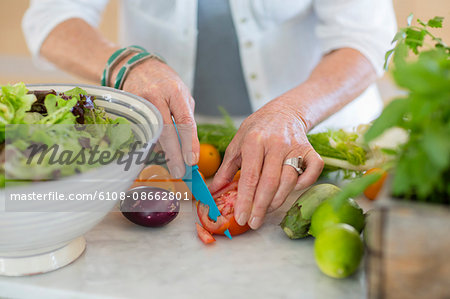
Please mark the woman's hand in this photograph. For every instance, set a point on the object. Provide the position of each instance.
(263, 142)
(158, 83)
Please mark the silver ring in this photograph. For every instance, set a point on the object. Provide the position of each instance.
(296, 162)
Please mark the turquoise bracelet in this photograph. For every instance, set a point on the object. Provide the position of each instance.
(123, 72)
(115, 58)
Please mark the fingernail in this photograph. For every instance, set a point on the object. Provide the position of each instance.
(190, 158)
(242, 219)
(195, 157)
(177, 172)
(298, 187)
(187, 158)
(254, 222)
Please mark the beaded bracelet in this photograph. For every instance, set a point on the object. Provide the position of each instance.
(123, 72)
(115, 58)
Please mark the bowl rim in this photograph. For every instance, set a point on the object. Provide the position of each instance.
(117, 91)
(113, 90)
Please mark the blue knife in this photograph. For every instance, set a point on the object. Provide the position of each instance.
(198, 187)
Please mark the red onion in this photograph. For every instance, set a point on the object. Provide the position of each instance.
(150, 206)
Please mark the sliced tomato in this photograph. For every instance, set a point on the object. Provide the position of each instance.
(225, 199)
(204, 235)
(233, 186)
(215, 227)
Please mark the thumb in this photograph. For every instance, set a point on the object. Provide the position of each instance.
(230, 165)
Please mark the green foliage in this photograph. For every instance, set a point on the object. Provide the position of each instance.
(219, 135)
(414, 36)
(422, 165)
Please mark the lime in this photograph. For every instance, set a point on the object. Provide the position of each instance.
(338, 250)
(326, 215)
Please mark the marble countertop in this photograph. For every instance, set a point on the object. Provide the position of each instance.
(123, 260)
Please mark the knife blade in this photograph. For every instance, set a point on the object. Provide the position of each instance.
(198, 187)
(201, 192)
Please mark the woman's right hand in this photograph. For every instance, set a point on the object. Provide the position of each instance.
(160, 84)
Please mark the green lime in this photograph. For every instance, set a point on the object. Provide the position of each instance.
(338, 250)
(326, 215)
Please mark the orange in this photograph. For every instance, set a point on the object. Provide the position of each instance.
(372, 191)
(237, 176)
(201, 174)
(209, 160)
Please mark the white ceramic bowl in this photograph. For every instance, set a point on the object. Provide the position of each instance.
(35, 242)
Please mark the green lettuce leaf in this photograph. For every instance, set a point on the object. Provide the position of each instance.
(59, 111)
(14, 103)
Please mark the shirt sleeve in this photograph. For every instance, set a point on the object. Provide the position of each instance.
(365, 25)
(43, 16)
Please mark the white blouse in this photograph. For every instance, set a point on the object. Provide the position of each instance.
(280, 42)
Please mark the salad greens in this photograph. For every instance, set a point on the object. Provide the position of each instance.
(14, 104)
(47, 135)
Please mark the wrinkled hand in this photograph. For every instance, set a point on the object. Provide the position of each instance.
(263, 142)
(158, 83)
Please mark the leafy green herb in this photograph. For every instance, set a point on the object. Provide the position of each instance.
(413, 36)
(219, 135)
(422, 164)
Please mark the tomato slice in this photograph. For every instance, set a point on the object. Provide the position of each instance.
(225, 199)
(204, 235)
(155, 176)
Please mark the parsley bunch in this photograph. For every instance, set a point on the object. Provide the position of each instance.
(422, 165)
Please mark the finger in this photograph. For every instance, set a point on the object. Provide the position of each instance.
(158, 147)
(170, 145)
(187, 129)
(230, 165)
(252, 158)
(267, 187)
(288, 179)
(192, 104)
(313, 164)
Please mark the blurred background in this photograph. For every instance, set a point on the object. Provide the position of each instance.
(16, 64)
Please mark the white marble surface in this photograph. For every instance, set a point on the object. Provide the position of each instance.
(123, 260)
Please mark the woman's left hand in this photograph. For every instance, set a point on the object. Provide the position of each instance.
(263, 142)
